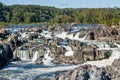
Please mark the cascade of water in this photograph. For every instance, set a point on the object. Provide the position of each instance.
(35, 56)
(79, 39)
(102, 45)
(22, 54)
(69, 52)
(62, 35)
(70, 36)
(76, 36)
(84, 37)
(118, 45)
(47, 59)
(46, 34)
(24, 35)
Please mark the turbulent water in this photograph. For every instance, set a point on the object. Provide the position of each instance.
(27, 70)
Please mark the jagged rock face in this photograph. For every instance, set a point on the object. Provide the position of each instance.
(114, 32)
(14, 41)
(88, 53)
(101, 34)
(32, 36)
(92, 36)
(3, 33)
(9, 51)
(81, 54)
(114, 70)
(56, 52)
(5, 54)
(97, 33)
(86, 72)
(75, 45)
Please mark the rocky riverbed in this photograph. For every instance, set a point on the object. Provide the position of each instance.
(36, 53)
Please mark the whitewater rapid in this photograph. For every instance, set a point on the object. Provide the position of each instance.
(69, 51)
(102, 46)
(25, 70)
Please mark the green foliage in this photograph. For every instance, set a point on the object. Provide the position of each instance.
(18, 14)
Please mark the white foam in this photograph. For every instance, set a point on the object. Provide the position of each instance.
(47, 59)
(117, 45)
(46, 34)
(62, 35)
(29, 72)
(69, 52)
(35, 57)
(76, 36)
(24, 35)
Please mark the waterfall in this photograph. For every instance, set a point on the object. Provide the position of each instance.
(62, 35)
(69, 52)
(35, 56)
(118, 45)
(24, 35)
(76, 36)
(79, 39)
(102, 45)
(84, 37)
(70, 36)
(22, 54)
(46, 34)
(47, 59)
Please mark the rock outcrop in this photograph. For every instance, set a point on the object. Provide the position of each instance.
(114, 70)
(86, 72)
(6, 54)
(81, 54)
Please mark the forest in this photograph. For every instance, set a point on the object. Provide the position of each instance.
(25, 14)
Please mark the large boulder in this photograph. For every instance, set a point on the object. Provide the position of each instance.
(5, 54)
(57, 51)
(90, 52)
(114, 70)
(3, 33)
(86, 72)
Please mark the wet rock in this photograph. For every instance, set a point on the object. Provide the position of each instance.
(114, 70)
(5, 55)
(57, 51)
(3, 33)
(16, 59)
(38, 61)
(13, 41)
(114, 32)
(92, 36)
(88, 53)
(9, 51)
(86, 72)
